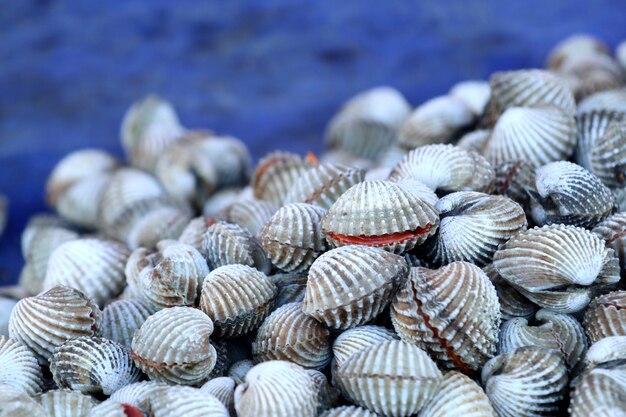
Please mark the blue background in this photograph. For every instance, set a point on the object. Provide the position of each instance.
(271, 73)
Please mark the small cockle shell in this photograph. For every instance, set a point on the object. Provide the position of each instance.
(526, 382)
(36, 223)
(289, 334)
(323, 184)
(91, 265)
(609, 100)
(379, 214)
(293, 238)
(558, 267)
(608, 155)
(473, 93)
(513, 179)
(560, 332)
(93, 365)
(613, 231)
(392, 378)
(223, 198)
(458, 395)
(452, 312)
(608, 349)
(66, 403)
(121, 318)
(351, 285)
(19, 367)
(15, 403)
(575, 45)
(228, 244)
(173, 346)
(276, 388)
(349, 411)
(446, 168)
(237, 298)
(160, 223)
(474, 140)
(184, 402)
(49, 319)
(222, 388)
(250, 214)
(589, 74)
(356, 339)
(137, 394)
(291, 288)
(239, 370)
(512, 303)
(592, 127)
(368, 123)
(438, 120)
(193, 233)
(471, 227)
(110, 408)
(276, 174)
(606, 316)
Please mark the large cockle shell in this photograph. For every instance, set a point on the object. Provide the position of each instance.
(185, 401)
(452, 312)
(608, 155)
(173, 346)
(392, 378)
(91, 265)
(250, 214)
(293, 238)
(15, 403)
(137, 394)
(513, 179)
(275, 175)
(93, 365)
(471, 227)
(558, 267)
(458, 395)
(222, 388)
(228, 244)
(289, 334)
(237, 298)
(606, 316)
(349, 411)
(592, 128)
(528, 381)
(66, 403)
(122, 318)
(276, 388)
(47, 320)
(110, 408)
(356, 339)
(446, 168)
(380, 214)
(512, 303)
(351, 285)
(19, 367)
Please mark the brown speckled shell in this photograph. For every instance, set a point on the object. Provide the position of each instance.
(275, 175)
(606, 316)
(458, 395)
(66, 403)
(228, 244)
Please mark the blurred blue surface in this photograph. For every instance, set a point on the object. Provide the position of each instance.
(269, 72)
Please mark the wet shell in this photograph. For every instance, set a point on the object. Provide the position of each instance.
(436, 121)
(513, 179)
(276, 388)
(452, 312)
(458, 395)
(391, 378)
(592, 127)
(66, 403)
(289, 334)
(15, 403)
(111, 408)
(610, 100)
(173, 346)
(185, 402)
(291, 288)
(237, 298)
(137, 394)
(93, 266)
(599, 392)
(472, 226)
(529, 381)
(47, 320)
(239, 370)
(474, 94)
(613, 231)
(323, 184)
(349, 411)
(446, 168)
(606, 316)
(19, 367)
(512, 303)
(380, 214)
(228, 244)
(93, 365)
(351, 285)
(275, 175)
(222, 388)
(121, 318)
(193, 233)
(356, 339)
(558, 267)
(608, 155)
(250, 214)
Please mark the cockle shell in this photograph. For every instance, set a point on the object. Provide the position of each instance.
(37, 223)
(47, 320)
(66, 403)
(91, 265)
(327, 395)
(291, 287)
(514, 179)
(474, 94)
(356, 339)
(173, 346)
(110, 408)
(575, 45)
(608, 349)
(19, 367)
(250, 214)
(293, 238)
(446, 168)
(592, 127)
(275, 175)
(351, 285)
(558, 267)
(15, 403)
(419, 189)
(609, 100)
(160, 223)
(600, 392)
(228, 244)
(122, 318)
(452, 312)
(223, 198)
(137, 394)
(239, 370)
(606, 316)
(528, 381)
(276, 388)
(368, 123)
(608, 155)
(475, 140)
(193, 233)
(613, 231)
(458, 395)
(222, 388)
(93, 365)
(338, 156)
(392, 378)
(589, 74)
(349, 411)
(512, 303)
(471, 227)
(7, 304)
(289, 334)
(237, 298)
(180, 401)
(379, 214)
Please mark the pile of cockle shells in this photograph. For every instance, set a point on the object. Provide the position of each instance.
(459, 259)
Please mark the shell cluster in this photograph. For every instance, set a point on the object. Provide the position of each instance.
(462, 257)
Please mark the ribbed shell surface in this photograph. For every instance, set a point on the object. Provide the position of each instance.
(474, 93)
(111, 408)
(275, 175)
(392, 378)
(513, 179)
(558, 267)
(512, 303)
(66, 403)
(162, 221)
(592, 127)
(380, 214)
(419, 189)
(289, 334)
(327, 395)
(613, 231)
(250, 214)
(458, 395)
(15, 403)
(608, 156)
(351, 285)
(474, 140)
(228, 244)
(276, 388)
(222, 388)
(453, 312)
(194, 231)
(291, 287)
(349, 411)
(137, 394)
(606, 316)
(80, 202)
(293, 238)
(599, 393)
(121, 318)
(356, 339)
(93, 266)
(611, 100)
(19, 367)
(606, 350)
(47, 320)
(180, 401)
(239, 370)
(237, 298)
(173, 346)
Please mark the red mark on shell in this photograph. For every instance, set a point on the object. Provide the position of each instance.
(131, 411)
(311, 158)
(381, 240)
